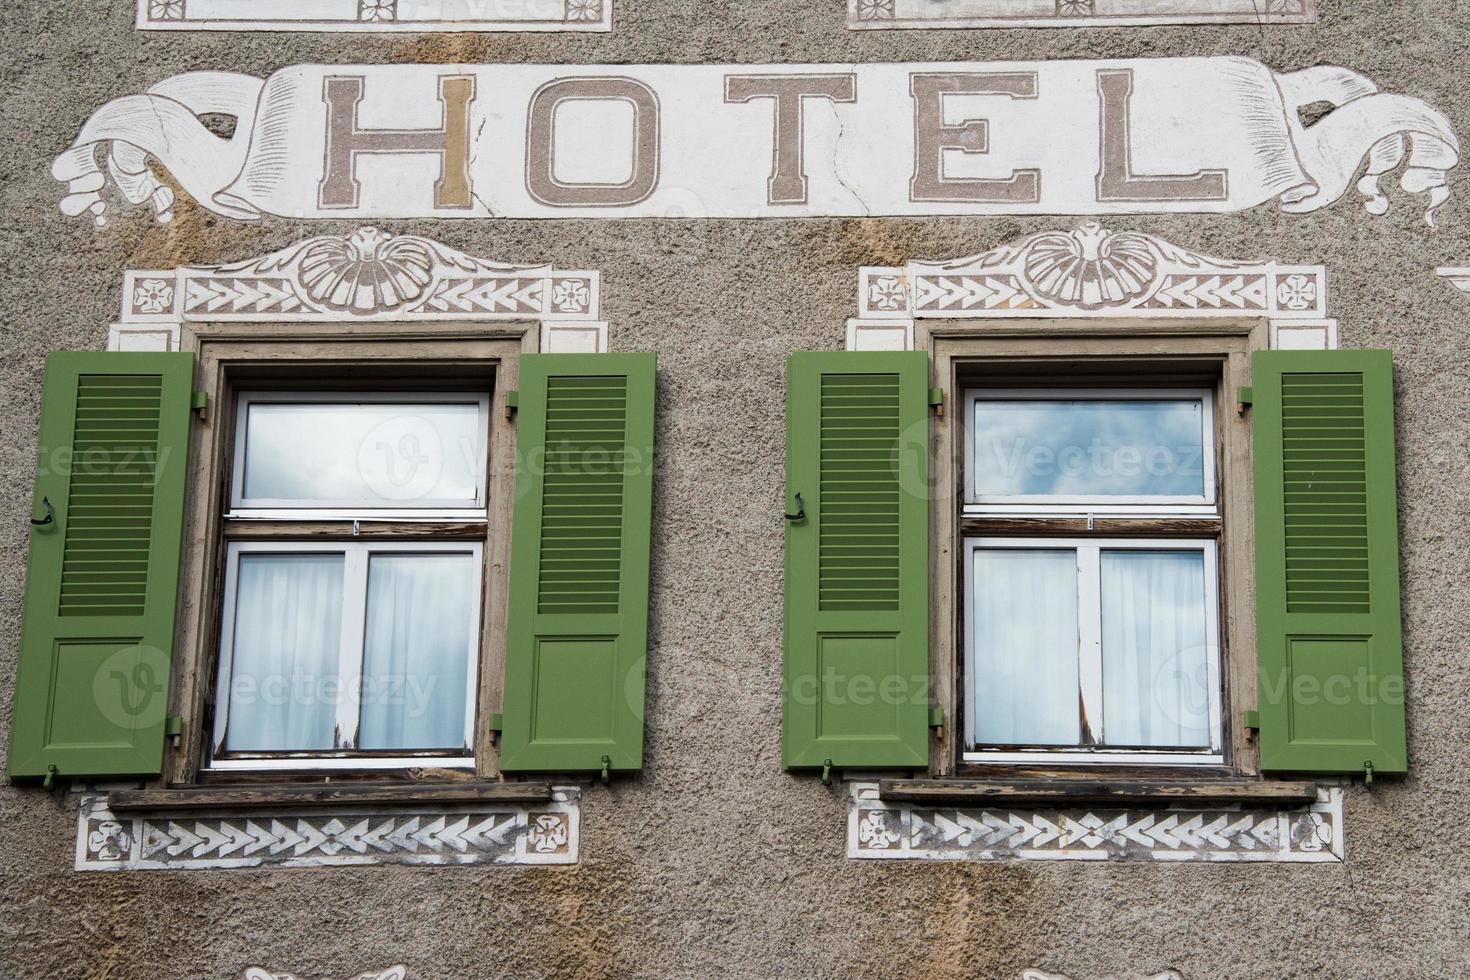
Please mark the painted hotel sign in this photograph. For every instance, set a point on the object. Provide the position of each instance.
(1211, 135)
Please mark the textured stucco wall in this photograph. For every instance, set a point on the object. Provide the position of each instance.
(715, 861)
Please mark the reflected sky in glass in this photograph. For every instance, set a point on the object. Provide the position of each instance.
(1094, 448)
(389, 453)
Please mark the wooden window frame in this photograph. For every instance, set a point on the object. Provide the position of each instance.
(225, 354)
(1224, 345)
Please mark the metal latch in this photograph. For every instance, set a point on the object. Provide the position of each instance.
(606, 770)
(826, 772)
(1368, 775)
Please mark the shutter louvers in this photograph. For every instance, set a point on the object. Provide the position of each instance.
(102, 578)
(1329, 637)
(577, 635)
(857, 575)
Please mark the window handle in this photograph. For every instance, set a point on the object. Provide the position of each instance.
(800, 514)
(50, 517)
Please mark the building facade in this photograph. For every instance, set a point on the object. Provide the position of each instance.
(628, 488)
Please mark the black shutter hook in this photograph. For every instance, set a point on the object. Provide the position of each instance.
(800, 514)
(50, 517)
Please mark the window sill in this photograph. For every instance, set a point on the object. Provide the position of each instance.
(1117, 792)
(321, 794)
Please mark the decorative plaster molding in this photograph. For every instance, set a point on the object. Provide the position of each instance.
(260, 973)
(889, 14)
(317, 837)
(367, 275)
(1456, 276)
(376, 16)
(1092, 272)
(883, 829)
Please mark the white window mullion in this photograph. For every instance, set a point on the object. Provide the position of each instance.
(349, 668)
(1089, 629)
(1213, 663)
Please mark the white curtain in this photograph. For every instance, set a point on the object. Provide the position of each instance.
(284, 662)
(1155, 657)
(417, 655)
(1025, 647)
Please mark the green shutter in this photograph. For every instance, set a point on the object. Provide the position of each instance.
(91, 690)
(857, 563)
(577, 636)
(1329, 642)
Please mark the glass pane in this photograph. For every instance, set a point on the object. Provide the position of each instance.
(1025, 616)
(384, 454)
(419, 612)
(284, 664)
(1155, 649)
(1089, 448)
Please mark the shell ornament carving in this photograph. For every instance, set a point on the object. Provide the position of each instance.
(366, 272)
(1091, 267)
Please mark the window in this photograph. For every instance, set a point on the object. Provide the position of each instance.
(1090, 451)
(361, 652)
(1083, 644)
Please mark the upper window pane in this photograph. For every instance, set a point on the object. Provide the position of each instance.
(354, 453)
(1124, 448)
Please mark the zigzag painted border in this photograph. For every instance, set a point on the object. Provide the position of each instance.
(879, 829)
(504, 834)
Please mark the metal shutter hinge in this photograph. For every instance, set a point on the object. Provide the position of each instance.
(512, 403)
(497, 723)
(173, 727)
(936, 401)
(936, 721)
(1244, 398)
(200, 404)
(1251, 720)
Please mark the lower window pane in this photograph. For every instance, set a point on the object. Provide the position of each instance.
(1025, 676)
(285, 654)
(1155, 649)
(417, 653)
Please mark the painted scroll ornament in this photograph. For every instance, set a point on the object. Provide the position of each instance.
(392, 973)
(1175, 135)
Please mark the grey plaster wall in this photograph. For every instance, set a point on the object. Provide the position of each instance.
(715, 861)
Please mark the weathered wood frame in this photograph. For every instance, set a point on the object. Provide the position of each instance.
(1226, 343)
(223, 350)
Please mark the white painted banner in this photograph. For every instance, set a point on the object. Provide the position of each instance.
(882, 14)
(375, 16)
(1208, 135)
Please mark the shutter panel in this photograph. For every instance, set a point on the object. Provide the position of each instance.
(1329, 641)
(91, 689)
(857, 565)
(577, 636)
